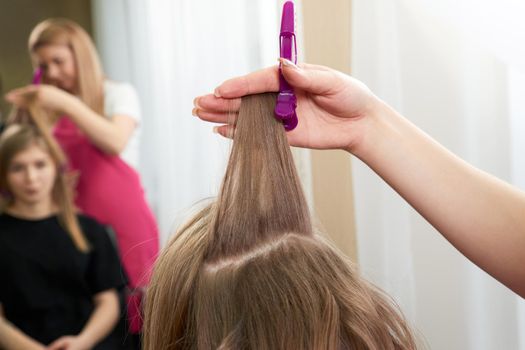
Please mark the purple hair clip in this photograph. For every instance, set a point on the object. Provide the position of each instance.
(286, 100)
(37, 76)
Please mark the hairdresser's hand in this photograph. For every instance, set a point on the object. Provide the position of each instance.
(334, 110)
(47, 97)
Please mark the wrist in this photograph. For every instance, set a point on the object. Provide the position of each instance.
(72, 106)
(86, 341)
(376, 130)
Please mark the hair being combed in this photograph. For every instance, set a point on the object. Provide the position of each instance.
(90, 76)
(31, 129)
(248, 271)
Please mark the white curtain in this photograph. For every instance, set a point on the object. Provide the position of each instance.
(456, 69)
(173, 51)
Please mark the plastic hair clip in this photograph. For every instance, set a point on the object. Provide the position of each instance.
(286, 100)
(37, 76)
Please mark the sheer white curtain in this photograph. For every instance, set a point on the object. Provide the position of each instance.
(173, 51)
(456, 69)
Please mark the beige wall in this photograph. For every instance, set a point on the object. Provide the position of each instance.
(17, 18)
(327, 42)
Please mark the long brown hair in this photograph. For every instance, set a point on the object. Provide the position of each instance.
(32, 131)
(90, 76)
(250, 272)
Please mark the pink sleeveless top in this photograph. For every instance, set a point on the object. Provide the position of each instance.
(109, 190)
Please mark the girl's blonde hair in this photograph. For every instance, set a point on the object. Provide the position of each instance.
(90, 76)
(32, 130)
(249, 272)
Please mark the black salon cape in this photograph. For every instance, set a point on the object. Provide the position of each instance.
(47, 285)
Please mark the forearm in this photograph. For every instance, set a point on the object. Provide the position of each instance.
(102, 132)
(102, 320)
(11, 338)
(481, 216)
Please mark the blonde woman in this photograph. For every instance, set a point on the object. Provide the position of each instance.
(61, 275)
(98, 128)
(482, 216)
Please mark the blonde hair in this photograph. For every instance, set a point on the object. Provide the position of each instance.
(90, 76)
(249, 272)
(33, 131)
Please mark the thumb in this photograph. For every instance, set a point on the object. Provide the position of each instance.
(309, 78)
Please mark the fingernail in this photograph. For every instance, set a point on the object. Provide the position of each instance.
(194, 112)
(288, 63)
(196, 101)
(217, 93)
(215, 129)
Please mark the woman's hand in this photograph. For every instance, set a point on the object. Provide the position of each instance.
(333, 108)
(48, 97)
(69, 342)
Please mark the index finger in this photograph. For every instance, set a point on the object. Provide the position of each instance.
(264, 80)
(23, 90)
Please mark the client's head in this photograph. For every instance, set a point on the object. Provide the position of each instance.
(249, 272)
(33, 171)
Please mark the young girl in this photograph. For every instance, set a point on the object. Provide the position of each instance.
(250, 272)
(98, 130)
(61, 276)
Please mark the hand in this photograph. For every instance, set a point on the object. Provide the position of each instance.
(69, 342)
(333, 108)
(47, 97)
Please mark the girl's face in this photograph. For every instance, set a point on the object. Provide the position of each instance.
(58, 65)
(31, 175)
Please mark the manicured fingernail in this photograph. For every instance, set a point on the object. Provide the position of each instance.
(217, 93)
(194, 112)
(288, 63)
(196, 101)
(215, 129)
